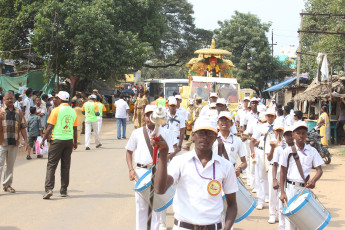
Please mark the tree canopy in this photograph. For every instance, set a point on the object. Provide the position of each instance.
(244, 36)
(323, 43)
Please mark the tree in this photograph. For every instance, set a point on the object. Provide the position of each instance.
(180, 39)
(244, 36)
(98, 39)
(323, 43)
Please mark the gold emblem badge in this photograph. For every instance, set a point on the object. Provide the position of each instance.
(214, 188)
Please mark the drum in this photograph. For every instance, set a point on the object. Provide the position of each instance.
(160, 201)
(306, 212)
(246, 202)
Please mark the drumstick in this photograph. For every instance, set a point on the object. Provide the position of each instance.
(301, 192)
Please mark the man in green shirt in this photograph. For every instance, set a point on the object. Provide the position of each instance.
(91, 112)
(62, 123)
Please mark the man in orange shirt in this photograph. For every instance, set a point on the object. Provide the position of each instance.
(63, 123)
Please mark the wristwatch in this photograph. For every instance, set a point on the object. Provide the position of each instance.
(241, 169)
(180, 146)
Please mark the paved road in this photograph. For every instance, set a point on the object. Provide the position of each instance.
(101, 197)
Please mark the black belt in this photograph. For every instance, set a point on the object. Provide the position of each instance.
(197, 227)
(178, 137)
(260, 148)
(296, 183)
(142, 166)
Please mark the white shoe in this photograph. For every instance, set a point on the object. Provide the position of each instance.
(244, 177)
(267, 200)
(162, 227)
(260, 207)
(272, 220)
(20, 145)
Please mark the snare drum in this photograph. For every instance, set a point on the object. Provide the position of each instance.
(160, 201)
(246, 202)
(306, 212)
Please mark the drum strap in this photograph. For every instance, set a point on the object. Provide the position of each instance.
(221, 148)
(299, 166)
(147, 139)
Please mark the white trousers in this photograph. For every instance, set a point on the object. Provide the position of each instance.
(142, 209)
(291, 191)
(247, 171)
(281, 225)
(99, 122)
(88, 126)
(262, 176)
(272, 194)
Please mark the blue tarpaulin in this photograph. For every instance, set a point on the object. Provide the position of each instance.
(280, 85)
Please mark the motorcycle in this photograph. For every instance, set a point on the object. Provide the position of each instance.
(314, 139)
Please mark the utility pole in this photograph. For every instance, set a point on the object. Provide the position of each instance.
(299, 50)
(272, 44)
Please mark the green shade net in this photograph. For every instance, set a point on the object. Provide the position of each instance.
(34, 80)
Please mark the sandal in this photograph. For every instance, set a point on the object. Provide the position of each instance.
(28, 157)
(9, 189)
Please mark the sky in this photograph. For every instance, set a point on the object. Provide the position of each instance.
(283, 15)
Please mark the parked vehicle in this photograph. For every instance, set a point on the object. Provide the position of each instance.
(314, 139)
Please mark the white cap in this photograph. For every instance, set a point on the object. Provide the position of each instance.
(150, 108)
(299, 124)
(225, 114)
(262, 116)
(246, 98)
(261, 108)
(213, 104)
(254, 99)
(63, 95)
(50, 96)
(288, 128)
(93, 96)
(273, 99)
(270, 111)
(278, 125)
(172, 100)
(204, 123)
(213, 95)
(178, 96)
(191, 101)
(221, 101)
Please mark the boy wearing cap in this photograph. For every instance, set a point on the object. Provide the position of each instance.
(248, 123)
(18, 103)
(228, 145)
(278, 152)
(264, 135)
(91, 111)
(143, 158)
(62, 123)
(175, 122)
(200, 175)
(299, 156)
(212, 99)
(180, 110)
(221, 106)
(241, 113)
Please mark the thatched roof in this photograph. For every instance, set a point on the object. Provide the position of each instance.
(322, 90)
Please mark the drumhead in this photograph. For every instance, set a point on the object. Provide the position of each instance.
(295, 205)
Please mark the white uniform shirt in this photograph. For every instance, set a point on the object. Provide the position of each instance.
(233, 146)
(204, 110)
(137, 144)
(289, 120)
(212, 114)
(174, 124)
(27, 105)
(312, 158)
(280, 120)
(183, 112)
(192, 203)
(41, 109)
(251, 120)
(121, 108)
(239, 114)
(17, 105)
(259, 134)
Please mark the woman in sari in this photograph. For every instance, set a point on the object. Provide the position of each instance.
(323, 123)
